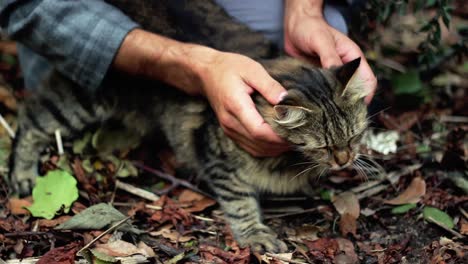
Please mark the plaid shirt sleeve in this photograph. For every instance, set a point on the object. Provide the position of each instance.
(79, 37)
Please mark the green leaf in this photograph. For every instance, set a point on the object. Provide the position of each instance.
(326, 195)
(80, 145)
(423, 148)
(407, 83)
(100, 257)
(403, 208)
(97, 217)
(53, 193)
(436, 215)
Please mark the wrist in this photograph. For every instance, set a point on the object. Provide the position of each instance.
(156, 57)
(311, 8)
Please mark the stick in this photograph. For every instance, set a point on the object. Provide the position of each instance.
(121, 222)
(7, 127)
(58, 139)
(453, 232)
(271, 255)
(171, 178)
(136, 191)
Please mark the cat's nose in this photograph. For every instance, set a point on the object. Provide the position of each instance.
(341, 157)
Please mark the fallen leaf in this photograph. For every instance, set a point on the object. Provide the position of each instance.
(323, 248)
(120, 248)
(60, 255)
(434, 214)
(97, 217)
(194, 202)
(464, 229)
(53, 193)
(17, 206)
(347, 253)
(412, 194)
(348, 224)
(54, 222)
(172, 234)
(403, 208)
(304, 232)
(347, 202)
(211, 254)
(282, 258)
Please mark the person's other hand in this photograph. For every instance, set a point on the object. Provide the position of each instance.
(228, 82)
(307, 34)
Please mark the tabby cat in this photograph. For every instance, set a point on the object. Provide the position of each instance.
(323, 116)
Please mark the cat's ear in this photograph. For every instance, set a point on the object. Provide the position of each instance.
(290, 116)
(348, 76)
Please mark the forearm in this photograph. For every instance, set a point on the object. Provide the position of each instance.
(157, 57)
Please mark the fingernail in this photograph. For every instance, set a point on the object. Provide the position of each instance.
(282, 96)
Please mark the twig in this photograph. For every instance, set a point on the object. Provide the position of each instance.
(454, 119)
(372, 191)
(136, 191)
(155, 207)
(7, 127)
(275, 256)
(58, 139)
(121, 222)
(453, 232)
(290, 214)
(464, 213)
(171, 178)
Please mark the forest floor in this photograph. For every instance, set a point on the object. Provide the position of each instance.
(413, 209)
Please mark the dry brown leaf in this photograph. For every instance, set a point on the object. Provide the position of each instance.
(347, 252)
(282, 258)
(305, 232)
(347, 203)
(348, 224)
(464, 228)
(60, 255)
(166, 231)
(194, 202)
(413, 194)
(53, 222)
(16, 206)
(120, 248)
(323, 248)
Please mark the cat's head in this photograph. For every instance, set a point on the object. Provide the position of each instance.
(324, 115)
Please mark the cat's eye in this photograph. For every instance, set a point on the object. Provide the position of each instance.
(356, 139)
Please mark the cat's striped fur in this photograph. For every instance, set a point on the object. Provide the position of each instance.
(322, 117)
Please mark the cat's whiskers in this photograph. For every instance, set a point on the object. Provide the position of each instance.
(304, 171)
(320, 174)
(303, 163)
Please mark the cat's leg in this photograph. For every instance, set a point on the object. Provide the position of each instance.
(239, 201)
(56, 107)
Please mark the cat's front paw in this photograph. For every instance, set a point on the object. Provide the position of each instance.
(264, 241)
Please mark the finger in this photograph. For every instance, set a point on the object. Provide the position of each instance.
(239, 134)
(261, 81)
(325, 47)
(245, 112)
(257, 150)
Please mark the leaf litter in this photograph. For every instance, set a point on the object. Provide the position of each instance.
(411, 213)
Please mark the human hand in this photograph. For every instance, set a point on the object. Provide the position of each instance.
(307, 34)
(228, 81)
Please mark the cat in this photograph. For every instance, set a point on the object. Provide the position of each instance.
(323, 117)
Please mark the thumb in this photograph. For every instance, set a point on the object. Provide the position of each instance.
(268, 87)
